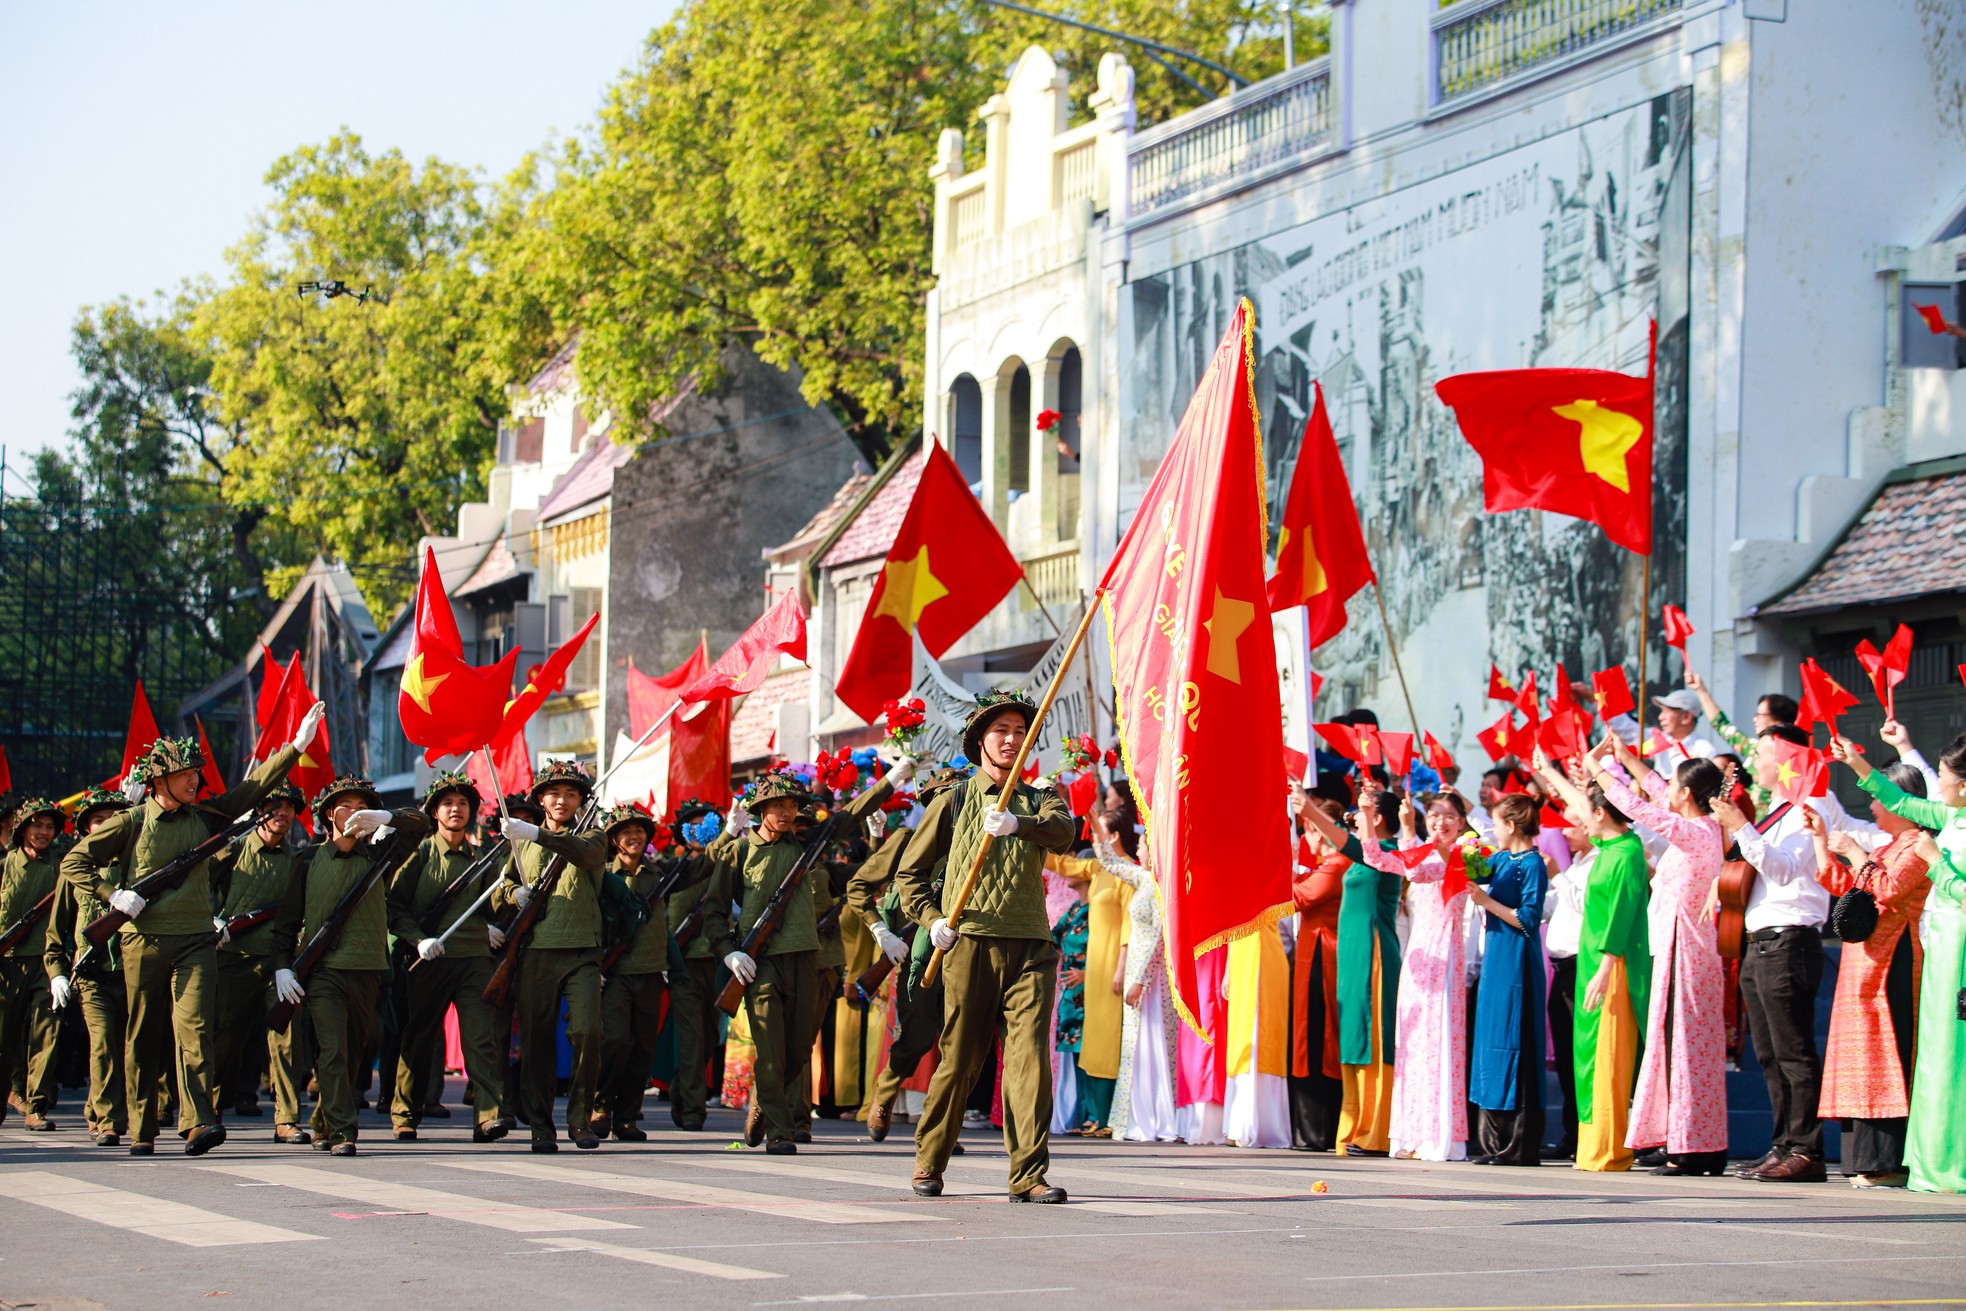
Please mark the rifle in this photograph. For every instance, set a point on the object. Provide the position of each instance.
(499, 990)
(828, 923)
(393, 852)
(665, 886)
(17, 931)
(169, 878)
(868, 985)
(434, 916)
(773, 913)
(252, 919)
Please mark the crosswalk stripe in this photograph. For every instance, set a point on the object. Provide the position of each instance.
(155, 1217)
(408, 1197)
(790, 1208)
(667, 1260)
(1185, 1181)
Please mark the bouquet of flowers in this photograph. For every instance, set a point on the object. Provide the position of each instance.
(1080, 753)
(704, 831)
(904, 721)
(1475, 855)
(1048, 419)
(836, 771)
(1112, 758)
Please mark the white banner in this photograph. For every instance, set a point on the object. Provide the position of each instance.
(949, 704)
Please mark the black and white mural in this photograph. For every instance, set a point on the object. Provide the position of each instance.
(1553, 254)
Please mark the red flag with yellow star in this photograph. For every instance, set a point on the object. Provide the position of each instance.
(446, 706)
(948, 568)
(1576, 441)
(780, 631)
(292, 699)
(1195, 676)
(1321, 559)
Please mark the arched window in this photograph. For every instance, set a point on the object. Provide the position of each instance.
(1018, 431)
(966, 428)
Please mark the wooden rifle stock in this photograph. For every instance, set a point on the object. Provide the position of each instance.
(252, 919)
(499, 990)
(17, 931)
(169, 878)
(663, 888)
(774, 910)
(393, 853)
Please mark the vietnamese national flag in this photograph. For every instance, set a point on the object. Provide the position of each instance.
(1198, 711)
(1800, 772)
(1321, 558)
(947, 568)
(1935, 319)
(1887, 668)
(214, 781)
(542, 681)
(1677, 627)
(1495, 738)
(1438, 757)
(1397, 751)
(1499, 688)
(1823, 698)
(1576, 441)
(1355, 742)
(651, 695)
(781, 631)
(269, 686)
(1525, 699)
(1613, 692)
(142, 733)
(446, 706)
(698, 737)
(293, 698)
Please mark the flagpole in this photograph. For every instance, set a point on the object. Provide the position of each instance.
(498, 787)
(1038, 601)
(1379, 595)
(1092, 705)
(640, 742)
(1010, 782)
(1644, 640)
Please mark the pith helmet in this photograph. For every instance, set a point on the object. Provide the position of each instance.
(776, 787)
(988, 707)
(451, 780)
(341, 787)
(169, 755)
(569, 772)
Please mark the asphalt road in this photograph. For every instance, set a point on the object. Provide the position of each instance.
(685, 1220)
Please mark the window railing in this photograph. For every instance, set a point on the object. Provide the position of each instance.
(1078, 175)
(1477, 45)
(968, 215)
(1273, 122)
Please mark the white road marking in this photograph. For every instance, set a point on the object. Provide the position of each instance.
(1634, 1265)
(906, 1297)
(640, 1185)
(668, 1260)
(407, 1199)
(891, 1183)
(155, 1217)
(1206, 1186)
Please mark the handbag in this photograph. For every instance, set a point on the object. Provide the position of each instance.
(1854, 916)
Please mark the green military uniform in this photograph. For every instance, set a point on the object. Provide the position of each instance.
(170, 951)
(563, 960)
(254, 875)
(98, 985)
(694, 987)
(631, 995)
(456, 978)
(1002, 975)
(918, 1010)
(832, 965)
(345, 989)
(27, 1021)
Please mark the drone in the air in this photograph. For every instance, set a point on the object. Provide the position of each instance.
(329, 290)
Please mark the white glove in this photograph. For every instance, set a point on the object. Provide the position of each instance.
(739, 819)
(519, 828)
(126, 902)
(943, 935)
(429, 949)
(58, 991)
(133, 789)
(890, 943)
(999, 823)
(364, 822)
(218, 927)
(741, 967)
(904, 770)
(521, 894)
(496, 935)
(310, 724)
(286, 986)
(382, 835)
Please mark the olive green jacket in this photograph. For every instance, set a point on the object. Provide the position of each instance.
(421, 881)
(250, 876)
(573, 917)
(1008, 901)
(318, 885)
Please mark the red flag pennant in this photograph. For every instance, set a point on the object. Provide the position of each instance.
(1414, 857)
(1438, 757)
(1823, 698)
(142, 733)
(512, 759)
(1513, 785)
(781, 631)
(1317, 684)
(1613, 692)
(1495, 738)
(1082, 793)
(1558, 738)
(1499, 688)
(1677, 627)
(1295, 764)
(446, 706)
(1321, 555)
(1346, 740)
(6, 772)
(1887, 668)
(1525, 697)
(1935, 319)
(1554, 818)
(214, 782)
(1800, 772)
(1397, 749)
(1522, 741)
(651, 695)
(269, 686)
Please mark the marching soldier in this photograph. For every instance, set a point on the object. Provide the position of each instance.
(704, 893)
(781, 990)
(28, 997)
(251, 880)
(447, 974)
(343, 994)
(563, 960)
(631, 994)
(1000, 965)
(96, 986)
(170, 954)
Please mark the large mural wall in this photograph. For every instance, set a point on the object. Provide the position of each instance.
(1558, 253)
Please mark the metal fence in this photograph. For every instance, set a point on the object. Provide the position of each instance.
(1276, 120)
(1478, 45)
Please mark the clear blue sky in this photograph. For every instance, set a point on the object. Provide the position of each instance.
(136, 135)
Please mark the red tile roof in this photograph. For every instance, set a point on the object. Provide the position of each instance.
(756, 719)
(1910, 541)
(557, 371)
(589, 479)
(872, 533)
(498, 566)
(820, 524)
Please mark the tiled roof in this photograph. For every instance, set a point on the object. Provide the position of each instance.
(820, 524)
(557, 372)
(499, 566)
(589, 479)
(873, 532)
(755, 721)
(1910, 541)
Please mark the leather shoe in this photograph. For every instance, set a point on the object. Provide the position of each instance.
(203, 1139)
(957, 1150)
(754, 1125)
(1481, 1159)
(630, 1133)
(291, 1133)
(602, 1125)
(405, 1135)
(586, 1142)
(436, 1111)
(38, 1123)
(545, 1145)
(784, 1147)
(1043, 1195)
(490, 1131)
(927, 1185)
(105, 1140)
(1748, 1169)
(1795, 1168)
(802, 1135)
(342, 1149)
(249, 1109)
(879, 1120)
(142, 1149)
(690, 1126)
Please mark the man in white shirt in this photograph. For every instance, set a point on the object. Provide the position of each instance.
(1679, 715)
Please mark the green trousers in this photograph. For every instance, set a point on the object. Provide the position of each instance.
(631, 1013)
(991, 985)
(783, 1019)
(547, 974)
(341, 1011)
(103, 1009)
(919, 1010)
(693, 1010)
(172, 983)
(27, 1030)
(827, 988)
(431, 989)
(246, 1047)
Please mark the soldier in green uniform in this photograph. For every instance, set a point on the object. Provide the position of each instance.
(563, 960)
(871, 894)
(703, 893)
(28, 997)
(246, 880)
(97, 986)
(780, 990)
(447, 973)
(832, 962)
(170, 954)
(631, 994)
(1000, 964)
(343, 993)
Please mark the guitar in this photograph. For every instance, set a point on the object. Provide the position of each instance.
(1736, 881)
